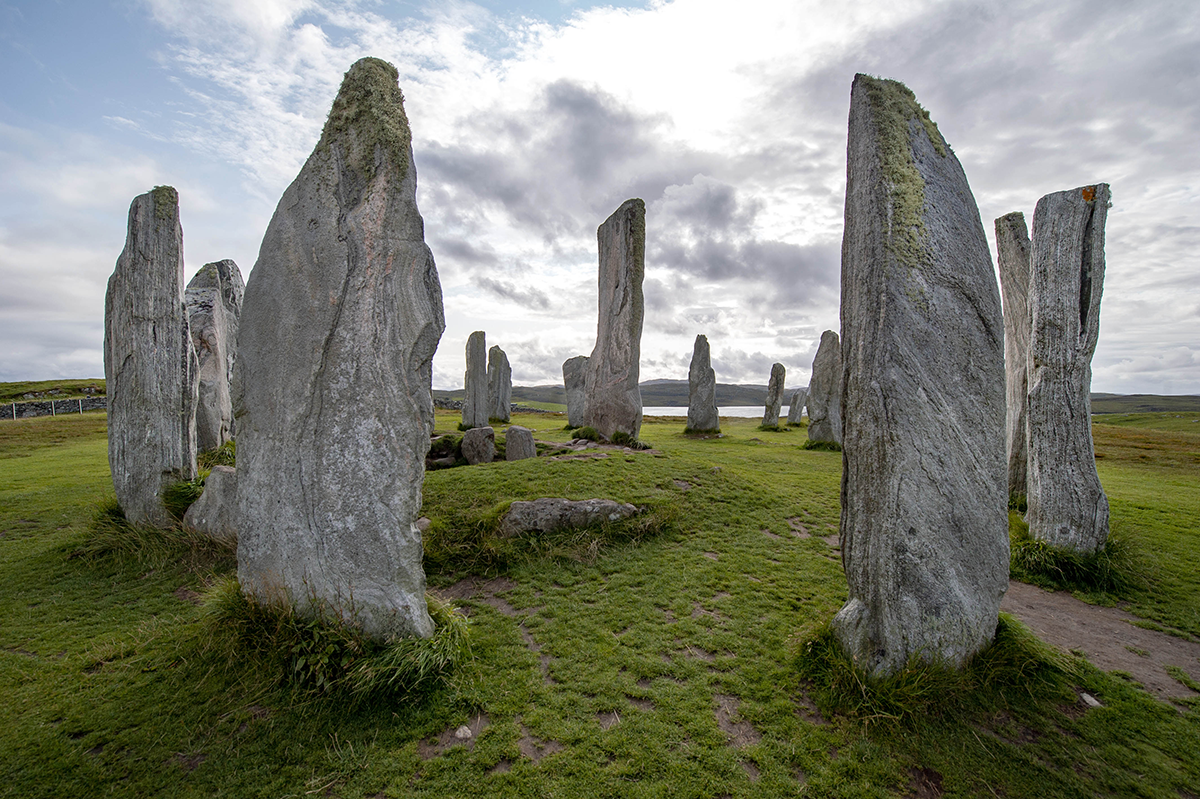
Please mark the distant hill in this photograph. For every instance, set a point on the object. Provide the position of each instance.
(1145, 403)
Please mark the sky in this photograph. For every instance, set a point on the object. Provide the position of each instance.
(533, 121)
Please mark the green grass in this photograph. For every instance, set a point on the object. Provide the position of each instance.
(68, 389)
(660, 662)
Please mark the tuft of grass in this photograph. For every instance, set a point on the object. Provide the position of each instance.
(1018, 502)
(588, 433)
(110, 534)
(1016, 661)
(178, 497)
(774, 428)
(623, 439)
(224, 455)
(1112, 570)
(822, 446)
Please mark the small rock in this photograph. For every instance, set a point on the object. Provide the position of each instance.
(215, 512)
(463, 733)
(518, 444)
(1090, 700)
(479, 445)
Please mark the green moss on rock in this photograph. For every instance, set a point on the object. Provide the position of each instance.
(166, 203)
(367, 114)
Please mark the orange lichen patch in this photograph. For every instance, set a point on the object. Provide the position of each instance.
(1089, 193)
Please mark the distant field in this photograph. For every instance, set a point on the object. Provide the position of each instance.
(67, 389)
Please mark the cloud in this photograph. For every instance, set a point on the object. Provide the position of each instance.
(525, 297)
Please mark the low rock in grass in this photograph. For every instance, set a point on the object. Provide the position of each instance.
(519, 443)
(549, 514)
(215, 513)
(479, 445)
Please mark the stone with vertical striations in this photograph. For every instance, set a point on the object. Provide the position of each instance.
(149, 364)
(475, 382)
(1067, 505)
(825, 392)
(614, 401)
(499, 377)
(575, 383)
(703, 415)
(796, 406)
(518, 443)
(924, 528)
(214, 303)
(1012, 248)
(332, 387)
(774, 396)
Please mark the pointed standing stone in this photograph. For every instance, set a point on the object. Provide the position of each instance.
(703, 415)
(614, 401)
(332, 387)
(1012, 247)
(774, 396)
(214, 303)
(499, 377)
(475, 382)
(149, 364)
(796, 406)
(575, 383)
(825, 391)
(1067, 505)
(924, 529)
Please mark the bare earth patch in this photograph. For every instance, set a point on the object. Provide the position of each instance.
(477, 588)
(535, 748)
(739, 731)
(798, 528)
(462, 735)
(185, 594)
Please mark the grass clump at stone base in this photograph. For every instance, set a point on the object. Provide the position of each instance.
(110, 534)
(1112, 570)
(588, 433)
(822, 446)
(774, 428)
(178, 497)
(224, 455)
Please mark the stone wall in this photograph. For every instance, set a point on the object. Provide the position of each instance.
(26, 410)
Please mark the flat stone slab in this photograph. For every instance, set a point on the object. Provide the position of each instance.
(549, 514)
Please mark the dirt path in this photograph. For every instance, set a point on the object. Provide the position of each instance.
(1107, 636)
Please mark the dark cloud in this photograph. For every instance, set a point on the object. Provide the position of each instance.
(526, 297)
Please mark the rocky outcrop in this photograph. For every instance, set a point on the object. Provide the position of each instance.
(575, 382)
(774, 396)
(1012, 247)
(215, 513)
(550, 514)
(614, 401)
(214, 304)
(475, 382)
(703, 415)
(150, 367)
(924, 529)
(518, 444)
(499, 376)
(479, 445)
(825, 392)
(796, 406)
(332, 386)
(1067, 505)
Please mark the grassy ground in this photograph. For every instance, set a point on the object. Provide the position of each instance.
(68, 389)
(662, 668)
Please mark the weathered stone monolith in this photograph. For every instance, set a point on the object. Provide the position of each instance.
(214, 303)
(518, 443)
(1012, 250)
(499, 378)
(796, 406)
(575, 383)
(475, 382)
(774, 396)
(825, 392)
(479, 445)
(1067, 505)
(215, 513)
(703, 415)
(924, 529)
(149, 365)
(332, 387)
(614, 401)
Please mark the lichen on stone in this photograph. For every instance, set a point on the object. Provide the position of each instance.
(166, 203)
(369, 105)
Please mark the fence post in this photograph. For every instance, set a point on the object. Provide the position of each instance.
(14, 411)
(81, 407)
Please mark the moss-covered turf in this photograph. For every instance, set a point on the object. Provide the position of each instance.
(661, 662)
(67, 389)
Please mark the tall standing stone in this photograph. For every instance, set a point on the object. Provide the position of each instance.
(149, 364)
(575, 383)
(1012, 248)
(703, 415)
(475, 382)
(499, 378)
(343, 313)
(774, 396)
(614, 401)
(825, 391)
(796, 406)
(924, 528)
(214, 304)
(1067, 505)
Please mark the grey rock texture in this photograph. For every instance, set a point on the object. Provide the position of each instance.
(703, 415)
(924, 528)
(215, 513)
(214, 304)
(796, 406)
(614, 401)
(149, 364)
(1012, 248)
(774, 395)
(549, 514)
(499, 377)
(479, 445)
(518, 443)
(332, 383)
(825, 391)
(475, 382)
(1067, 505)
(575, 382)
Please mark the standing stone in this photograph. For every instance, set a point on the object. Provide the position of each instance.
(774, 396)
(575, 382)
(475, 383)
(214, 304)
(825, 391)
(149, 364)
(614, 401)
(924, 529)
(1012, 247)
(518, 443)
(703, 415)
(1067, 505)
(499, 378)
(796, 406)
(343, 313)
(215, 513)
(479, 445)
